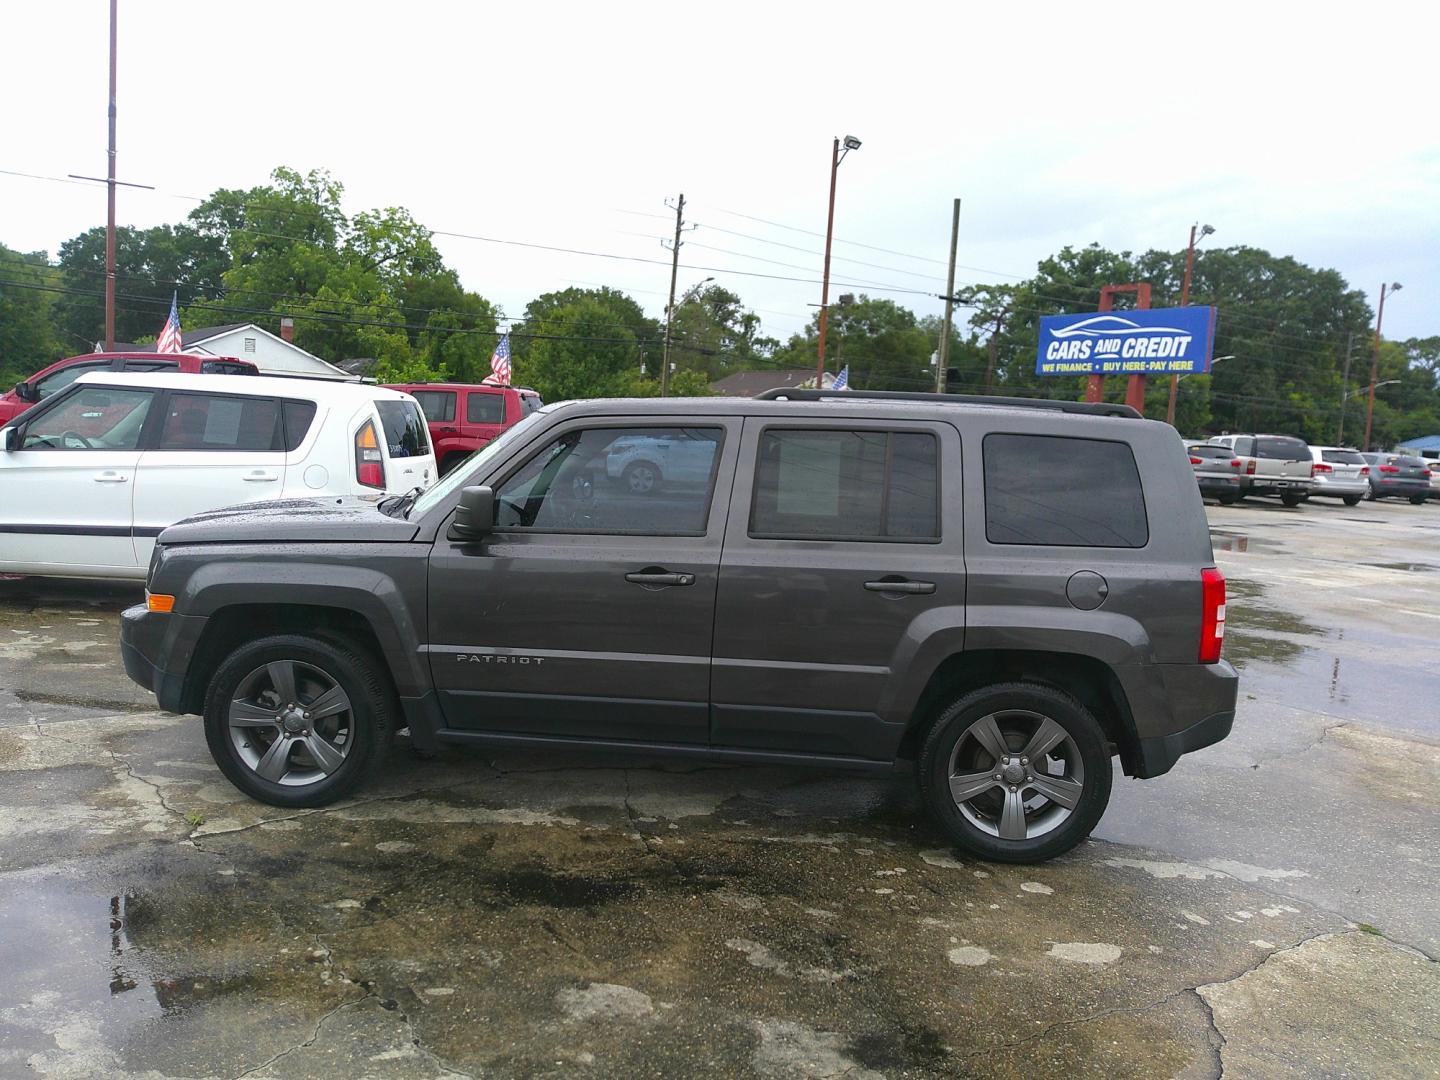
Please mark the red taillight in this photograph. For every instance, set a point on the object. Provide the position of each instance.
(1250, 467)
(1321, 467)
(369, 462)
(1212, 614)
(1312, 469)
(1389, 468)
(1364, 470)
(1234, 463)
(1196, 461)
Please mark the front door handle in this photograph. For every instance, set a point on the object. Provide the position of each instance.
(657, 578)
(111, 477)
(258, 477)
(909, 588)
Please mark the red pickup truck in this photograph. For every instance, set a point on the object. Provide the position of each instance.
(62, 373)
(463, 417)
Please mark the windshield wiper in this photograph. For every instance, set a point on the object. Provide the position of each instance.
(399, 505)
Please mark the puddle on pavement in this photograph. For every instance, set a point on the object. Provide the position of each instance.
(1417, 567)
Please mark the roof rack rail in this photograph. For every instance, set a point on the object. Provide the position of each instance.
(1089, 408)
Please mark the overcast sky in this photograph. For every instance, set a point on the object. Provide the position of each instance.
(1308, 130)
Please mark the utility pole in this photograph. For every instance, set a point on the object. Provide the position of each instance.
(944, 357)
(670, 308)
(1344, 388)
(110, 184)
(850, 143)
(1184, 302)
(1375, 365)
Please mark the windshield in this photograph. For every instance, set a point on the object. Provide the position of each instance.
(1281, 448)
(457, 477)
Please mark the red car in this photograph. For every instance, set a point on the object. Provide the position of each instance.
(465, 416)
(62, 373)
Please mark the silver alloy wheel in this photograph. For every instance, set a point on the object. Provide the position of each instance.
(1016, 774)
(291, 723)
(641, 478)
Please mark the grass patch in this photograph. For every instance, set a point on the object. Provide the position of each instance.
(1366, 928)
(196, 818)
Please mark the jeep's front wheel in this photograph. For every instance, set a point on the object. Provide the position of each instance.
(297, 721)
(1016, 772)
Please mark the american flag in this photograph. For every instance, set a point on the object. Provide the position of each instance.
(842, 381)
(169, 340)
(500, 363)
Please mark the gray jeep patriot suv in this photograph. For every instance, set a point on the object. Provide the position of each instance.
(1002, 594)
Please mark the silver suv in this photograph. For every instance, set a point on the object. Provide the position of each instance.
(1339, 474)
(1272, 465)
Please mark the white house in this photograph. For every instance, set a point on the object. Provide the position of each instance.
(273, 354)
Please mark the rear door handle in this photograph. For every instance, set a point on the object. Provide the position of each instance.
(909, 588)
(258, 477)
(659, 577)
(111, 477)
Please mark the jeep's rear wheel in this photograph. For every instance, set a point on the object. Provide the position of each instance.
(297, 721)
(1016, 772)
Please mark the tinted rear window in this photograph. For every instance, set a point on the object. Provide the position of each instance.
(404, 425)
(1342, 457)
(483, 408)
(438, 405)
(1211, 452)
(223, 367)
(1044, 489)
(220, 422)
(1412, 462)
(529, 403)
(1281, 448)
(299, 415)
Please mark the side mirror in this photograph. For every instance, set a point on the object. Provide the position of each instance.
(10, 438)
(475, 516)
(25, 392)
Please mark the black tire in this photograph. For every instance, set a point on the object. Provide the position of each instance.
(1292, 500)
(1353, 500)
(948, 737)
(1418, 500)
(642, 478)
(1229, 500)
(370, 717)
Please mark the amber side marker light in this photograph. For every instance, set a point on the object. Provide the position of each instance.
(159, 602)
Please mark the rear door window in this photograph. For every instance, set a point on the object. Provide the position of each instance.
(1281, 448)
(483, 408)
(220, 422)
(870, 485)
(1054, 491)
(404, 425)
(438, 405)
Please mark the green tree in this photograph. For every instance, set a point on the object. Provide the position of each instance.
(28, 340)
(576, 350)
(712, 334)
(883, 344)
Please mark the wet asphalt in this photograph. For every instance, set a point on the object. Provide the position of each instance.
(1270, 907)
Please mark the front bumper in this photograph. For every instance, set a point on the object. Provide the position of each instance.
(156, 650)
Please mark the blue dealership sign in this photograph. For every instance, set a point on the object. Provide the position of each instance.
(1159, 341)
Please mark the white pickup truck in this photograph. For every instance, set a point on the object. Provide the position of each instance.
(1272, 465)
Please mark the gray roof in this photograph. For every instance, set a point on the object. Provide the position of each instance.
(750, 383)
(187, 338)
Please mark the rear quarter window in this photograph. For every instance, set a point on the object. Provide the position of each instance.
(1057, 491)
(404, 426)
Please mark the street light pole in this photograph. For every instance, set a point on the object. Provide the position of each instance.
(670, 307)
(110, 197)
(851, 143)
(1184, 302)
(1375, 365)
(944, 357)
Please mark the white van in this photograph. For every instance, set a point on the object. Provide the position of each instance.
(89, 477)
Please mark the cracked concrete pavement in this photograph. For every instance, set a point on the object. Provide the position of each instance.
(1269, 908)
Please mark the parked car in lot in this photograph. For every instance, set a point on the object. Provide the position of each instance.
(996, 593)
(1339, 474)
(1217, 471)
(463, 417)
(1398, 476)
(62, 373)
(91, 475)
(1272, 465)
